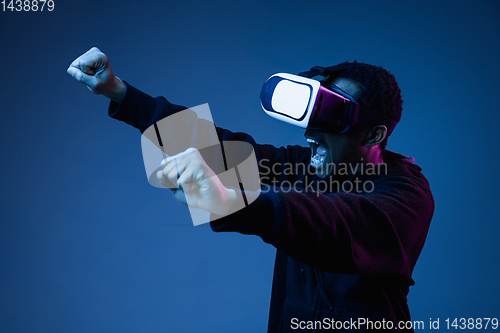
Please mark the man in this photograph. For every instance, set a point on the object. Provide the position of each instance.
(345, 253)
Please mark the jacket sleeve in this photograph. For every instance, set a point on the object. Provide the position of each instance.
(381, 232)
(142, 111)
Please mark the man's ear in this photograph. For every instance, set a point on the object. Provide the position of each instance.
(375, 136)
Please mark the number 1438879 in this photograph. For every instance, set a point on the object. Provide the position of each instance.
(28, 5)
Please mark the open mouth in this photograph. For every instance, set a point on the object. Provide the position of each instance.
(318, 153)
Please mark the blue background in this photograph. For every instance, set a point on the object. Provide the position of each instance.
(87, 245)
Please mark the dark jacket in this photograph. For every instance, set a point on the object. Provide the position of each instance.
(343, 257)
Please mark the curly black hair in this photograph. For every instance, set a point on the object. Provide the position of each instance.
(379, 89)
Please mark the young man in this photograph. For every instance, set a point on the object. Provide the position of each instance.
(345, 250)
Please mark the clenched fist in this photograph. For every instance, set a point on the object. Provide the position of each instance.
(93, 69)
(199, 185)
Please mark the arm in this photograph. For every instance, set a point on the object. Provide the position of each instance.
(140, 110)
(381, 232)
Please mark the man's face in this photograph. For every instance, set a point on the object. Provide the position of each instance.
(332, 148)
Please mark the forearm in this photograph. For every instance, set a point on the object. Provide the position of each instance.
(139, 109)
(341, 233)
(117, 91)
(142, 111)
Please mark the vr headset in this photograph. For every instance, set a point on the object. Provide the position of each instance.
(305, 102)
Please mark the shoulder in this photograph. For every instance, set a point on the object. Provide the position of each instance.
(403, 181)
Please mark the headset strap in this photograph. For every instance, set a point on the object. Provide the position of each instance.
(323, 71)
(356, 113)
(315, 71)
(368, 116)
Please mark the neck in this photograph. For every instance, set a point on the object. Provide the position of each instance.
(371, 155)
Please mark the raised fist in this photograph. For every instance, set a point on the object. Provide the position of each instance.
(93, 69)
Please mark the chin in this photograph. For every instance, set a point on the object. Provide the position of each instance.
(322, 173)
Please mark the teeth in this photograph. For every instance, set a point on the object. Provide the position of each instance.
(318, 153)
(317, 160)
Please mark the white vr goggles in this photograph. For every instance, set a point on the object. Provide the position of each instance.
(308, 103)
